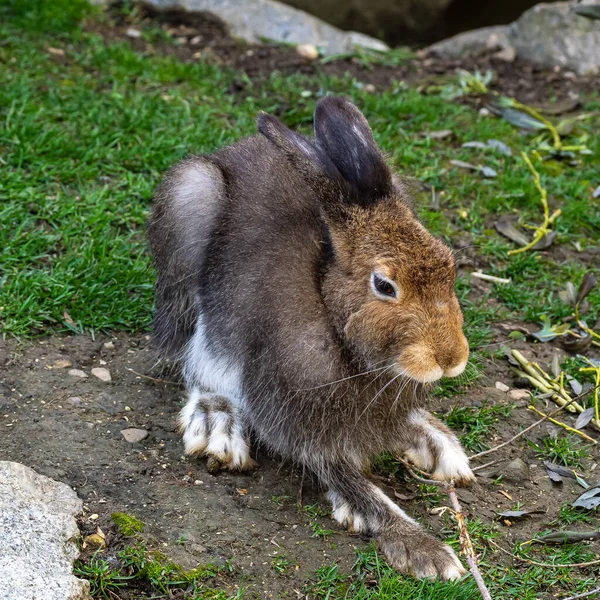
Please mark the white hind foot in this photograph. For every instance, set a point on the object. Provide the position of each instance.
(212, 427)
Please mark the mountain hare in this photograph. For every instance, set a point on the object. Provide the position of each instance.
(308, 304)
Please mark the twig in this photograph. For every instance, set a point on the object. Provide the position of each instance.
(466, 545)
(564, 425)
(521, 433)
(546, 565)
(491, 278)
(584, 595)
(543, 229)
(484, 466)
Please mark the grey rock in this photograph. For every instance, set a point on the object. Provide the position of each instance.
(553, 35)
(102, 374)
(516, 471)
(134, 435)
(547, 34)
(256, 20)
(473, 42)
(38, 529)
(77, 373)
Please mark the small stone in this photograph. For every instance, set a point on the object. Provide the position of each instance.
(134, 435)
(507, 54)
(516, 471)
(133, 33)
(102, 374)
(75, 401)
(484, 112)
(519, 394)
(309, 51)
(370, 88)
(109, 345)
(61, 363)
(77, 373)
(197, 39)
(499, 386)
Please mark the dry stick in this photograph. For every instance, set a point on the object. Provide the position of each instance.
(545, 565)
(521, 433)
(564, 425)
(466, 545)
(584, 595)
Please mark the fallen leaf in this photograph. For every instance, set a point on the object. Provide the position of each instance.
(577, 344)
(520, 119)
(546, 241)
(242, 491)
(549, 332)
(463, 165)
(474, 145)
(569, 295)
(560, 107)
(519, 514)
(488, 171)
(588, 283)
(517, 335)
(499, 147)
(589, 499)
(566, 537)
(557, 472)
(575, 385)
(504, 226)
(438, 135)
(502, 386)
(584, 418)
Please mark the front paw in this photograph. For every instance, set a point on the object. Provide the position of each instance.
(453, 465)
(421, 555)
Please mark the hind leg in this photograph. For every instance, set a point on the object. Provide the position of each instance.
(213, 427)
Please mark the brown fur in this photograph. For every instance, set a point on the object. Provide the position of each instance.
(275, 255)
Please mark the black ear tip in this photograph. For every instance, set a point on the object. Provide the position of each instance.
(267, 124)
(336, 105)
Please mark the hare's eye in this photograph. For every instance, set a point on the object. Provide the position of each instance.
(383, 287)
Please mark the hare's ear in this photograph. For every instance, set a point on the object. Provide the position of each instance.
(302, 152)
(344, 135)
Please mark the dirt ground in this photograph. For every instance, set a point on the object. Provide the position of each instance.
(189, 37)
(69, 428)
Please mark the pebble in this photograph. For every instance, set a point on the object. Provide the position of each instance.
(519, 394)
(61, 363)
(484, 112)
(77, 373)
(499, 386)
(516, 471)
(109, 345)
(370, 88)
(133, 33)
(102, 374)
(309, 51)
(134, 435)
(75, 401)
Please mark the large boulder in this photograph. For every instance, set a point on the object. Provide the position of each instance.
(555, 35)
(256, 20)
(37, 537)
(547, 34)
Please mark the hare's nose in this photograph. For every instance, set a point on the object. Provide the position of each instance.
(456, 370)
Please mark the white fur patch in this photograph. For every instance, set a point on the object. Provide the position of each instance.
(215, 433)
(395, 508)
(342, 512)
(203, 368)
(452, 462)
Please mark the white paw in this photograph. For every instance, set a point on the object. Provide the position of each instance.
(453, 464)
(342, 512)
(455, 570)
(212, 427)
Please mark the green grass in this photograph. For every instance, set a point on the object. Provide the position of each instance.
(137, 567)
(475, 424)
(85, 139)
(564, 450)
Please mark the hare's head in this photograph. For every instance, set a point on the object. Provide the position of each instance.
(389, 284)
